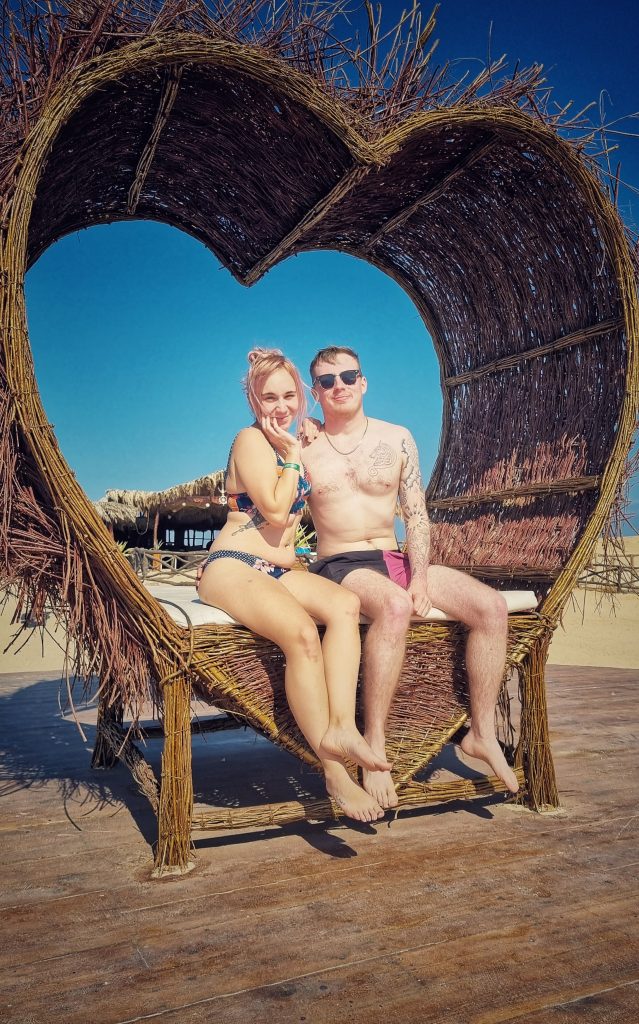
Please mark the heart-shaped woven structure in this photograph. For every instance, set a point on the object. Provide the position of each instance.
(251, 136)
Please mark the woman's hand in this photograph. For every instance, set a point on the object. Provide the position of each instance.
(283, 442)
(253, 464)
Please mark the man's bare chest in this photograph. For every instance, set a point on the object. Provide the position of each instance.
(373, 469)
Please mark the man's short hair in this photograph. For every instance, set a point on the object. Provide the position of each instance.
(330, 354)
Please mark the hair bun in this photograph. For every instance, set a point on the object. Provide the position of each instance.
(259, 353)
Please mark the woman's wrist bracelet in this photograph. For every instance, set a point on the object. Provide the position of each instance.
(291, 465)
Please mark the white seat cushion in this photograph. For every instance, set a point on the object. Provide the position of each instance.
(185, 607)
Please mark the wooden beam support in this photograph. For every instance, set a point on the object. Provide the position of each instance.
(566, 341)
(569, 485)
(413, 794)
(156, 527)
(113, 741)
(308, 221)
(170, 90)
(173, 851)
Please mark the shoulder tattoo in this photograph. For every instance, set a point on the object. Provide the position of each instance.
(412, 476)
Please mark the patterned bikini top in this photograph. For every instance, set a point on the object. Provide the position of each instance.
(242, 502)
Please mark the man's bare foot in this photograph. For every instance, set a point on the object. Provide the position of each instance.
(350, 745)
(381, 788)
(349, 796)
(379, 783)
(487, 749)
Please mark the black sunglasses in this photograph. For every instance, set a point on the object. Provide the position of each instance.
(327, 380)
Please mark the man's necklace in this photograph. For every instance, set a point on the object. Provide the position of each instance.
(352, 449)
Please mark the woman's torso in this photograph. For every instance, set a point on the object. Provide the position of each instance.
(246, 529)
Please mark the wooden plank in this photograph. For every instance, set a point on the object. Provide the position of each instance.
(524, 963)
(531, 834)
(613, 1004)
(313, 1000)
(440, 916)
(363, 898)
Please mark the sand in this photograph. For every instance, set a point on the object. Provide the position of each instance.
(596, 631)
(35, 650)
(602, 631)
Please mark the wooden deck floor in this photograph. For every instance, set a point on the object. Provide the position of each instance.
(472, 914)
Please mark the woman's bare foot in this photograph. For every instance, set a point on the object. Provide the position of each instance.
(348, 795)
(486, 748)
(349, 745)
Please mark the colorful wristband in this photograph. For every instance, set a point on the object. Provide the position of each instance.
(291, 465)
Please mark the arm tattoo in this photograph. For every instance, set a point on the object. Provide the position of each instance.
(411, 476)
(413, 505)
(382, 455)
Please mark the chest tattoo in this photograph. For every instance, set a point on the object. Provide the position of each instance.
(382, 456)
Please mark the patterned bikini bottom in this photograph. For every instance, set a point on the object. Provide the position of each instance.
(276, 571)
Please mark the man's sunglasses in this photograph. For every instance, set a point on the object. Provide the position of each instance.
(327, 380)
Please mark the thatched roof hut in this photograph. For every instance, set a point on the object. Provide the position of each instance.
(146, 516)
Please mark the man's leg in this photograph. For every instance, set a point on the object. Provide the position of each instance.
(389, 608)
(483, 610)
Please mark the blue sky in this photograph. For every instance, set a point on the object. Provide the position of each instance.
(140, 336)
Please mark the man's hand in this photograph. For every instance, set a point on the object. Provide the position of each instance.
(415, 516)
(309, 430)
(422, 603)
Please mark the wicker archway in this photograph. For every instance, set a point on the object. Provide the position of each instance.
(252, 140)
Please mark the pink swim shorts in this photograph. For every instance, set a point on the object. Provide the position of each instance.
(393, 564)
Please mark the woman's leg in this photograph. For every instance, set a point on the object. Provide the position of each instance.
(338, 610)
(268, 608)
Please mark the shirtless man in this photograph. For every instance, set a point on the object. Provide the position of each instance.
(358, 468)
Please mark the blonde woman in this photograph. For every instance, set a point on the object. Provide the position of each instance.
(248, 574)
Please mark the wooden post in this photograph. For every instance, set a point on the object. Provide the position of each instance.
(174, 853)
(103, 756)
(533, 750)
(156, 526)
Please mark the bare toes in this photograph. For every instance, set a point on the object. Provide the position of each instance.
(490, 752)
(380, 786)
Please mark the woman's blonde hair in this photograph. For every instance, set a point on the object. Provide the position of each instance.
(263, 362)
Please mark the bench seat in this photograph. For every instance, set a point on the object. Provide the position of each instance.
(186, 609)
